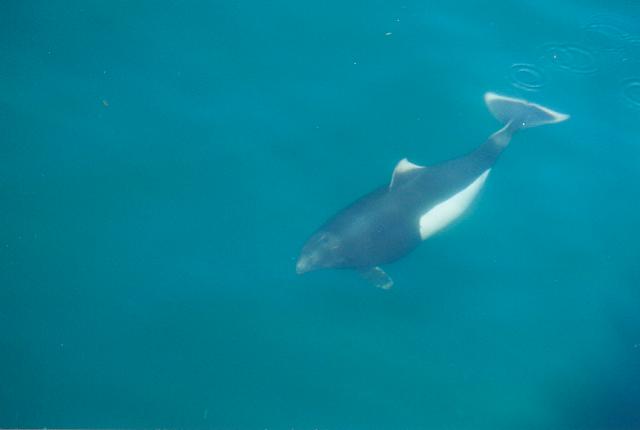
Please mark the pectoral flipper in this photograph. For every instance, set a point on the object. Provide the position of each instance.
(377, 277)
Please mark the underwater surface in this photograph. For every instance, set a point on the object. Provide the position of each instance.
(162, 163)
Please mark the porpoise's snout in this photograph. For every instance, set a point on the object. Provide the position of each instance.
(322, 251)
(302, 266)
(308, 259)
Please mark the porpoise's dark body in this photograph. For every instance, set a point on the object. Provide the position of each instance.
(385, 224)
(381, 226)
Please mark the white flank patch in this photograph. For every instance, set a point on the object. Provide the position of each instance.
(442, 214)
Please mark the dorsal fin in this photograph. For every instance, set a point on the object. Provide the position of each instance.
(404, 169)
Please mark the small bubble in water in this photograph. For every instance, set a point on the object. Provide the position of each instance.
(527, 77)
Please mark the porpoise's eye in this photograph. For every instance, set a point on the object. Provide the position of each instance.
(328, 241)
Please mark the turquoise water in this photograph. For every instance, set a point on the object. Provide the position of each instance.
(163, 162)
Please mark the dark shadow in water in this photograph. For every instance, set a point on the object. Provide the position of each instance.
(609, 397)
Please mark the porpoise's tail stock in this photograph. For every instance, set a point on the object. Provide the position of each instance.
(518, 113)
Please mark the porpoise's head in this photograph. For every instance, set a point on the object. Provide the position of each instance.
(322, 251)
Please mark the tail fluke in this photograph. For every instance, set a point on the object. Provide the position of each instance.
(518, 113)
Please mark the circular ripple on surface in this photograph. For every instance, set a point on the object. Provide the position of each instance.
(572, 58)
(607, 33)
(631, 92)
(527, 77)
(632, 50)
(606, 37)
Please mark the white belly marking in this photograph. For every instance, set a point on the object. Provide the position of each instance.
(445, 212)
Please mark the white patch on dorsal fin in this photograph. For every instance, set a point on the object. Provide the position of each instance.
(403, 167)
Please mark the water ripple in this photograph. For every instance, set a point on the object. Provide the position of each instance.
(608, 37)
(632, 50)
(527, 77)
(569, 57)
(631, 92)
